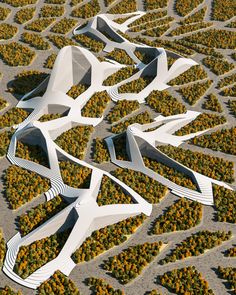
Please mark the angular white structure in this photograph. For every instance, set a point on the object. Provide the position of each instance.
(74, 65)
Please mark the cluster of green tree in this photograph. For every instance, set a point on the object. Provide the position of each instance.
(87, 10)
(58, 284)
(51, 11)
(15, 54)
(106, 238)
(101, 287)
(185, 280)
(182, 215)
(75, 140)
(7, 31)
(89, 42)
(111, 193)
(225, 204)
(164, 103)
(35, 40)
(21, 186)
(212, 103)
(60, 41)
(196, 244)
(142, 118)
(229, 274)
(96, 105)
(184, 7)
(223, 140)
(35, 255)
(64, 26)
(12, 117)
(129, 263)
(213, 167)
(192, 93)
(148, 188)
(32, 153)
(39, 214)
(101, 153)
(40, 24)
(202, 122)
(24, 15)
(75, 175)
(173, 175)
(217, 66)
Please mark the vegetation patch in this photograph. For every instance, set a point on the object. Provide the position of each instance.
(106, 238)
(100, 286)
(39, 214)
(75, 140)
(218, 66)
(184, 29)
(191, 75)
(101, 153)
(88, 10)
(194, 92)
(214, 38)
(196, 244)
(120, 56)
(64, 26)
(164, 103)
(24, 15)
(142, 118)
(49, 62)
(222, 140)
(5, 139)
(75, 175)
(26, 81)
(4, 12)
(136, 86)
(153, 4)
(96, 105)
(226, 81)
(195, 17)
(164, 22)
(57, 284)
(183, 280)
(156, 32)
(52, 11)
(230, 91)
(223, 12)
(39, 25)
(213, 167)
(19, 3)
(28, 259)
(111, 193)
(148, 17)
(202, 122)
(60, 41)
(232, 106)
(212, 103)
(12, 117)
(32, 153)
(182, 215)
(76, 90)
(225, 204)
(130, 263)
(228, 274)
(35, 40)
(7, 31)
(139, 183)
(170, 173)
(120, 75)
(184, 7)
(2, 249)
(231, 252)
(122, 109)
(9, 291)
(89, 42)
(21, 186)
(124, 6)
(49, 117)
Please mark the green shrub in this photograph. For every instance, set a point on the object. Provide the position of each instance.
(212, 103)
(24, 15)
(35, 40)
(122, 109)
